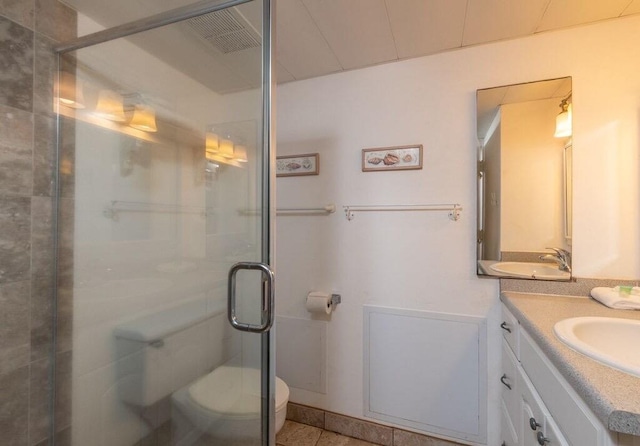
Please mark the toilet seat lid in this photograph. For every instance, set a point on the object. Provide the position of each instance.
(234, 392)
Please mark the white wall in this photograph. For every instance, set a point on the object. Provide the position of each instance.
(423, 260)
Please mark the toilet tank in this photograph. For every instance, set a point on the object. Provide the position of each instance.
(165, 350)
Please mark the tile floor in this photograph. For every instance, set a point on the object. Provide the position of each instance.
(297, 434)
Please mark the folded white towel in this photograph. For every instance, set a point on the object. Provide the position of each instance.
(613, 298)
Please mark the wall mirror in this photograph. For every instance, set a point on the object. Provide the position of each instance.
(524, 180)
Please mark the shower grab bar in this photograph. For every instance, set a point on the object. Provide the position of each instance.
(454, 209)
(113, 210)
(324, 210)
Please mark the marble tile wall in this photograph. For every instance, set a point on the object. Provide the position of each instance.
(28, 30)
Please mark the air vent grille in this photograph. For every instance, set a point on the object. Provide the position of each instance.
(224, 31)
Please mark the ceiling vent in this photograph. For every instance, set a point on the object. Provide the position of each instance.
(226, 30)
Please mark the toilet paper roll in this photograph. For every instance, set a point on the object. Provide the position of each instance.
(319, 303)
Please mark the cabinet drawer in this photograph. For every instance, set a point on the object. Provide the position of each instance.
(510, 328)
(508, 379)
(576, 421)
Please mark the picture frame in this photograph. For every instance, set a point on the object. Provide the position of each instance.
(392, 158)
(298, 165)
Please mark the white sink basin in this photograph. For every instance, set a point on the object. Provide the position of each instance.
(611, 341)
(546, 271)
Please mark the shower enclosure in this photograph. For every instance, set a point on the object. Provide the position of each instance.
(164, 231)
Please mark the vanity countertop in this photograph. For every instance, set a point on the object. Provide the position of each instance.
(614, 396)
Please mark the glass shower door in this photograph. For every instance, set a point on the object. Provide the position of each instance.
(164, 197)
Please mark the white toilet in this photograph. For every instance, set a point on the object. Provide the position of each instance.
(225, 404)
(174, 363)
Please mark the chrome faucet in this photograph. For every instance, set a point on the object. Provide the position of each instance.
(562, 257)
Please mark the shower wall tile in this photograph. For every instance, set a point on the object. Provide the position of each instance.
(14, 326)
(14, 407)
(16, 60)
(16, 151)
(20, 11)
(39, 400)
(45, 68)
(65, 244)
(42, 278)
(16, 126)
(64, 320)
(28, 30)
(15, 238)
(56, 20)
(63, 437)
(62, 408)
(41, 318)
(42, 237)
(67, 158)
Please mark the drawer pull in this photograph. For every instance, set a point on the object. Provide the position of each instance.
(534, 424)
(504, 327)
(502, 380)
(542, 439)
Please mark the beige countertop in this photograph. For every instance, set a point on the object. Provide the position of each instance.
(614, 396)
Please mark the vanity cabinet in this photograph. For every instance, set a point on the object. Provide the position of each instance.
(538, 406)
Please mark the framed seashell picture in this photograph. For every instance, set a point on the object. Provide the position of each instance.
(298, 165)
(392, 158)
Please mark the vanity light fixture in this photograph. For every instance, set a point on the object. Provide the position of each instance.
(70, 91)
(110, 106)
(563, 120)
(144, 118)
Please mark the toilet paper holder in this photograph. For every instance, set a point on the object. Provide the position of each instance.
(335, 300)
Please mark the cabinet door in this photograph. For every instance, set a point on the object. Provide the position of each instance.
(538, 427)
(529, 436)
(508, 435)
(552, 433)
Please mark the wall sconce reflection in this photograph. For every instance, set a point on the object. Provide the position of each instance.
(226, 148)
(211, 142)
(110, 106)
(230, 143)
(70, 90)
(240, 153)
(144, 118)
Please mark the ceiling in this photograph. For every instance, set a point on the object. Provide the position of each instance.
(319, 37)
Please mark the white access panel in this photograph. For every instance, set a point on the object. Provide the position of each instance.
(426, 371)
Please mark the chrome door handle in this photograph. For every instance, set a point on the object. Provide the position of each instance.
(505, 327)
(267, 297)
